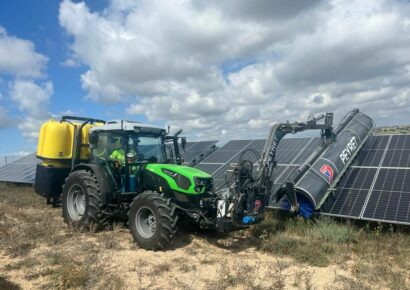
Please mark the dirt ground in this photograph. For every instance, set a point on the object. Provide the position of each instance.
(38, 251)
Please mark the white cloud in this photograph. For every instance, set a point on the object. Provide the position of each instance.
(32, 99)
(220, 70)
(71, 61)
(19, 58)
(20, 62)
(30, 127)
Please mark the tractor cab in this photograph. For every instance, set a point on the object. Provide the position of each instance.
(126, 148)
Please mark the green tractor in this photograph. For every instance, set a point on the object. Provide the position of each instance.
(122, 170)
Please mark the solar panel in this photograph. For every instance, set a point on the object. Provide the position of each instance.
(377, 186)
(390, 198)
(298, 152)
(376, 143)
(397, 158)
(220, 156)
(4, 160)
(28, 159)
(195, 151)
(307, 152)
(22, 170)
(208, 168)
(350, 195)
(290, 148)
(369, 157)
(187, 146)
(284, 173)
(201, 146)
(399, 142)
(236, 145)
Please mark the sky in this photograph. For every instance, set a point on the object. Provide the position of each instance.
(217, 69)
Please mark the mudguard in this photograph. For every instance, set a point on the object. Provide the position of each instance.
(105, 181)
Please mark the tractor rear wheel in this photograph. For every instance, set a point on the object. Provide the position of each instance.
(152, 220)
(82, 200)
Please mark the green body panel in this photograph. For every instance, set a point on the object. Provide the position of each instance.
(188, 172)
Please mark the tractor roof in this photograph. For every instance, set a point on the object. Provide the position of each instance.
(122, 125)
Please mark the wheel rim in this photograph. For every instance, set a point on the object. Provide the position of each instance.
(76, 202)
(145, 222)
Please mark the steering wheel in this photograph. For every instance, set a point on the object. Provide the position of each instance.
(100, 154)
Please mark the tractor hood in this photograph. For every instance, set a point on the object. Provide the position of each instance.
(184, 179)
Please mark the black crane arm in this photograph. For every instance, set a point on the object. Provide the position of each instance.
(278, 131)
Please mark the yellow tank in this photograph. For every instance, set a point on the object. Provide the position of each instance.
(56, 141)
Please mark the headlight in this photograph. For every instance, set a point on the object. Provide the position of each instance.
(201, 183)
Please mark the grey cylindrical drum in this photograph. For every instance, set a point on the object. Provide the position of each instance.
(323, 173)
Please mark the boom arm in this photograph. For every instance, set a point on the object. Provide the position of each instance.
(279, 131)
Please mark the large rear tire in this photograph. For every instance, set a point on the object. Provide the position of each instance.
(152, 220)
(82, 206)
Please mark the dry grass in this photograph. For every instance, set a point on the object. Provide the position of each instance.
(379, 256)
(38, 251)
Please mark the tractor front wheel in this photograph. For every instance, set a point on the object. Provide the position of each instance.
(152, 220)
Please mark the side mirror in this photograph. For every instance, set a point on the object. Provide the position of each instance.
(183, 143)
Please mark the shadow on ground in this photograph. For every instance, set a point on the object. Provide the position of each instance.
(5, 284)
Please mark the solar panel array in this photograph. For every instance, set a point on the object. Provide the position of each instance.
(22, 170)
(196, 151)
(377, 186)
(291, 153)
